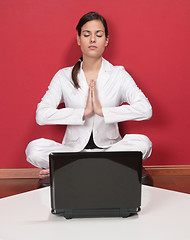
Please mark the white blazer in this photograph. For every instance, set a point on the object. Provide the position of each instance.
(114, 86)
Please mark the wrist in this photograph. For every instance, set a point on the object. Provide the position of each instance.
(100, 112)
(87, 113)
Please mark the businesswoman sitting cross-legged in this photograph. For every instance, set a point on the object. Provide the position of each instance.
(92, 91)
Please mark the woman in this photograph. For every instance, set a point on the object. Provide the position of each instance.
(92, 91)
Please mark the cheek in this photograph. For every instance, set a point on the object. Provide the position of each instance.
(84, 43)
(103, 43)
(83, 47)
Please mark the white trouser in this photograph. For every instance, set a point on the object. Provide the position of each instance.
(37, 151)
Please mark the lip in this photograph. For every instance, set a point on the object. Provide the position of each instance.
(92, 47)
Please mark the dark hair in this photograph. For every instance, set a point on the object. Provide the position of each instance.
(84, 19)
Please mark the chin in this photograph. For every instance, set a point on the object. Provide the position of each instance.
(94, 55)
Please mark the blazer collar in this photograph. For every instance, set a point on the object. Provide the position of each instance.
(103, 76)
(106, 66)
(104, 73)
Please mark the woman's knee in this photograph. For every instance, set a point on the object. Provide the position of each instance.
(141, 143)
(146, 141)
(34, 155)
(146, 146)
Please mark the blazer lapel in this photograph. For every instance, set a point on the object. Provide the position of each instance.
(82, 80)
(104, 74)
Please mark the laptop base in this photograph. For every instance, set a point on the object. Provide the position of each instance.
(95, 213)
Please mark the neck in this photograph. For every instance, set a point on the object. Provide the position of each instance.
(91, 64)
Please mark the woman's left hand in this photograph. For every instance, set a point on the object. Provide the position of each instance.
(96, 104)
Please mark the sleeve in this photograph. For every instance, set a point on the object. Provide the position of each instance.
(137, 108)
(47, 112)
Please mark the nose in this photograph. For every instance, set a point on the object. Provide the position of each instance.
(93, 39)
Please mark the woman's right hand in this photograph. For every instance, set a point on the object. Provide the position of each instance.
(89, 105)
(92, 105)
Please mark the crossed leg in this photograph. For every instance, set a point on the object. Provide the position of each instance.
(37, 151)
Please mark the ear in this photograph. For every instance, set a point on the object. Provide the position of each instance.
(78, 40)
(107, 41)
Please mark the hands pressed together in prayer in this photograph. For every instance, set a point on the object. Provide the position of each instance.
(92, 105)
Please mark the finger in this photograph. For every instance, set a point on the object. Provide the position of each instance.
(92, 84)
(90, 93)
(92, 89)
(44, 176)
(44, 171)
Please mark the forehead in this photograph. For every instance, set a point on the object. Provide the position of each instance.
(93, 25)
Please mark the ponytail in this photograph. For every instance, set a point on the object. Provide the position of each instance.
(75, 71)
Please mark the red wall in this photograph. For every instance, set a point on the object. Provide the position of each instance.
(150, 38)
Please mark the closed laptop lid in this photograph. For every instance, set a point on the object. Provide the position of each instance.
(95, 180)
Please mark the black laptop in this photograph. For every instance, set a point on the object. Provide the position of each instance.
(95, 184)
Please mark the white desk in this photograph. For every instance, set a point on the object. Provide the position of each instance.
(164, 215)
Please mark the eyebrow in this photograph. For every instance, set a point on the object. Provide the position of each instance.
(88, 31)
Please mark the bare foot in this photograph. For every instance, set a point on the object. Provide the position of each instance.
(44, 173)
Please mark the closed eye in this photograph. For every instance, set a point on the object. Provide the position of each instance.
(87, 33)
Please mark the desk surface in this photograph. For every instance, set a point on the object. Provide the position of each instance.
(164, 215)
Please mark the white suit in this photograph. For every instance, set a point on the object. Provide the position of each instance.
(114, 86)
